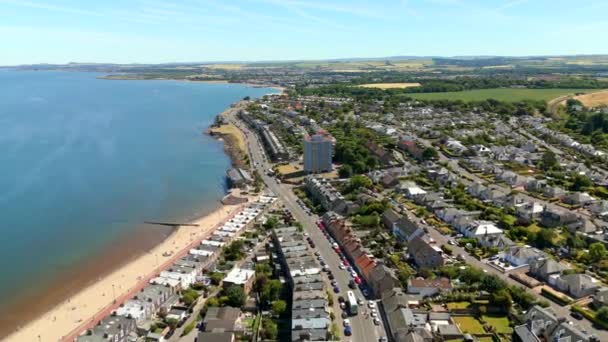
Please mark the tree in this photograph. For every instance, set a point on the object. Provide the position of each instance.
(602, 314)
(492, 283)
(189, 296)
(213, 301)
(270, 329)
(429, 153)
(549, 161)
(471, 275)
(271, 223)
(234, 251)
(263, 268)
(271, 290)
(345, 171)
(543, 238)
(501, 299)
(279, 307)
(216, 277)
(236, 296)
(358, 182)
(597, 251)
(579, 182)
(172, 323)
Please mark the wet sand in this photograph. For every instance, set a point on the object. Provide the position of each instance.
(84, 291)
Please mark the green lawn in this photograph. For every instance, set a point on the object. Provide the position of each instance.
(501, 323)
(469, 324)
(501, 94)
(458, 305)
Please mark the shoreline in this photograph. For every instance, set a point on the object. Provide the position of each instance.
(58, 309)
(136, 78)
(95, 300)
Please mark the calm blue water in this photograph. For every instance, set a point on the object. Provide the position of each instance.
(84, 161)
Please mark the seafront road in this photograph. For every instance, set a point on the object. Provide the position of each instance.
(363, 328)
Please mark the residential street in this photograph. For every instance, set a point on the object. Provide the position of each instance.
(363, 328)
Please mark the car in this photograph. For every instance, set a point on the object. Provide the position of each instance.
(374, 314)
(322, 263)
(342, 267)
(376, 321)
(343, 306)
(360, 301)
(340, 299)
(354, 274)
(382, 339)
(336, 289)
(346, 322)
(352, 284)
(317, 253)
(349, 269)
(344, 314)
(371, 304)
(365, 292)
(331, 276)
(493, 257)
(334, 283)
(452, 242)
(306, 234)
(348, 331)
(576, 315)
(325, 268)
(345, 262)
(312, 245)
(357, 280)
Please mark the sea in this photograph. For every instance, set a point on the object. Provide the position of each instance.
(84, 162)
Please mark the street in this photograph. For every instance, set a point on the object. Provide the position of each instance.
(363, 329)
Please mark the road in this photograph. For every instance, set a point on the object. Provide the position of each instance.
(363, 329)
(469, 178)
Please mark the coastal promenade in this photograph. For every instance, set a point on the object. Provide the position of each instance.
(82, 311)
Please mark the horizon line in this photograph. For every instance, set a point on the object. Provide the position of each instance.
(337, 59)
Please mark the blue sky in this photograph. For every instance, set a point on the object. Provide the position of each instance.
(153, 31)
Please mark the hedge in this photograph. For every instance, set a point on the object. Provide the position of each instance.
(589, 315)
(556, 298)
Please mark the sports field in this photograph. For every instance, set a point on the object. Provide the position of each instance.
(500, 94)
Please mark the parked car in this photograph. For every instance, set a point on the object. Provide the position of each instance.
(340, 299)
(336, 289)
(352, 284)
(576, 315)
(376, 321)
(348, 331)
(346, 322)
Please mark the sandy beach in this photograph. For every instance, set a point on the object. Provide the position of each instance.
(100, 298)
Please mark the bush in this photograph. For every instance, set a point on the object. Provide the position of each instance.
(189, 328)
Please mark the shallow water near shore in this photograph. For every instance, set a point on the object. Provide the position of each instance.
(83, 162)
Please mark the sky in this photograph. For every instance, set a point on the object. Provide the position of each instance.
(159, 31)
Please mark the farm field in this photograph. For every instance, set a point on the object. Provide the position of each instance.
(500, 94)
(596, 99)
(390, 85)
